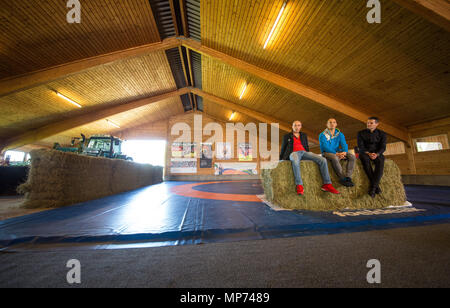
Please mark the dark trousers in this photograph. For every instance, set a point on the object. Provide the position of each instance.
(373, 175)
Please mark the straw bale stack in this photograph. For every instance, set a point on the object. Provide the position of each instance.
(57, 179)
(279, 188)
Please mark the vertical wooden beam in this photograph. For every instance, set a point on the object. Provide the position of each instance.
(410, 151)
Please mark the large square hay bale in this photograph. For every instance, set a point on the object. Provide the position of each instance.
(57, 179)
(279, 188)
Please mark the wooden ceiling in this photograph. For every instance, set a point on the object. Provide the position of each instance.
(35, 34)
(134, 118)
(397, 70)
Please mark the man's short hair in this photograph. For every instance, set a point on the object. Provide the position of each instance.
(375, 118)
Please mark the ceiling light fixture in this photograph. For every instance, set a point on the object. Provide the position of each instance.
(232, 116)
(112, 123)
(243, 91)
(275, 24)
(68, 99)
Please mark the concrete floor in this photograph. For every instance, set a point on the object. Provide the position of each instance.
(409, 257)
(10, 207)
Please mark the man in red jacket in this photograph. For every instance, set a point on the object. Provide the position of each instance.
(295, 148)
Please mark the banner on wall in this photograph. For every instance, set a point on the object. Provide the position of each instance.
(245, 152)
(235, 168)
(183, 165)
(189, 149)
(177, 149)
(206, 155)
(223, 150)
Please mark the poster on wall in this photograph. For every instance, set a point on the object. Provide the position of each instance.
(189, 150)
(235, 168)
(206, 155)
(245, 152)
(206, 150)
(177, 149)
(223, 150)
(183, 165)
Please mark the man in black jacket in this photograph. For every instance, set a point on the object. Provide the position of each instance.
(372, 144)
(295, 148)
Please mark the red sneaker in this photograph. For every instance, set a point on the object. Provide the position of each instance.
(300, 190)
(330, 188)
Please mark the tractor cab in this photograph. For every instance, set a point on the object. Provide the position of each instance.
(105, 146)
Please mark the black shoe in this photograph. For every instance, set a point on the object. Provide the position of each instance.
(372, 192)
(343, 182)
(378, 190)
(349, 181)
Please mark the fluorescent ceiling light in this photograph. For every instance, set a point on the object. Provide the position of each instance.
(113, 124)
(232, 116)
(243, 91)
(69, 100)
(275, 24)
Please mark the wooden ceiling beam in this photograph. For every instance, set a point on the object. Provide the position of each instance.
(184, 17)
(252, 113)
(174, 17)
(73, 122)
(26, 81)
(295, 87)
(435, 11)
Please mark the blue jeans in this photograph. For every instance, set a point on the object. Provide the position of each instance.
(296, 157)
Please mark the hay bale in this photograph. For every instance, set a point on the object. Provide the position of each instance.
(279, 188)
(57, 179)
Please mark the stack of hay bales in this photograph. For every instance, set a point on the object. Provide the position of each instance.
(279, 188)
(57, 179)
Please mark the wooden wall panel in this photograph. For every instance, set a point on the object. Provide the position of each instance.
(435, 162)
(427, 163)
(189, 119)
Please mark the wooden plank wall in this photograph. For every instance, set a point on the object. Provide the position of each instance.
(189, 119)
(427, 163)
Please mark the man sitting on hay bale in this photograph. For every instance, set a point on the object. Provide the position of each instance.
(372, 145)
(334, 148)
(295, 148)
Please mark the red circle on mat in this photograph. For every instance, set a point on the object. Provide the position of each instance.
(186, 190)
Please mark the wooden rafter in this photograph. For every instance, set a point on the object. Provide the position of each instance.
(435, 11)
(184, 18)
(295, 87)
(66, 124)
(33, 79)
(174, 17)
(251, 113)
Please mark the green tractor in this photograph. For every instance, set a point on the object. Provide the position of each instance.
(105, 146)
(98, 145)
(77, 145)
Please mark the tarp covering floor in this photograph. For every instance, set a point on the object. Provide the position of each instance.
(179, 213)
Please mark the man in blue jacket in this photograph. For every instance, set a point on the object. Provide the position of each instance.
(334, 148)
